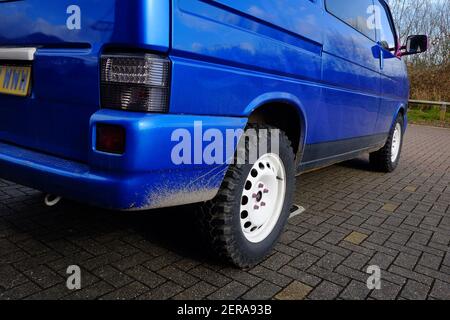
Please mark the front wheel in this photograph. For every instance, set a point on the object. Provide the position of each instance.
(388, 157)
(247, 217)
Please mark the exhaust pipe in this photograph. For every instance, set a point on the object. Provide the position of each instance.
(51, 200)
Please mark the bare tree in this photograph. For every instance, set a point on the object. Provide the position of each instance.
(430, 17)
(429, 72)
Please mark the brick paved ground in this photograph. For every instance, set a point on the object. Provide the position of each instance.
(354, 218)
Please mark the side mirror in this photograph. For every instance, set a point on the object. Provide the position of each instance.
(415, 45)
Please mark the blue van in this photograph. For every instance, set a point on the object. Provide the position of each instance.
(96, 94)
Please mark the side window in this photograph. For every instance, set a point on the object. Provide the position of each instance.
(385, 28)
(355, 13)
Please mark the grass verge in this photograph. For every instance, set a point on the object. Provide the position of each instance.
(429, 116)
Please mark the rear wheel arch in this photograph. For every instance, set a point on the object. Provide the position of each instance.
(285, 116)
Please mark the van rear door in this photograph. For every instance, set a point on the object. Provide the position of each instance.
(68, 37)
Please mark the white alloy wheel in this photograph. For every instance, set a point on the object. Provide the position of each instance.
(396, 142)
(263, 198)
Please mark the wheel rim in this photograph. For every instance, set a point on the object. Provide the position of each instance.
(396, 142)
(263, 198)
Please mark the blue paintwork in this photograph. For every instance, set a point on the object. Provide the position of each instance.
(143, 177)
(228, 59)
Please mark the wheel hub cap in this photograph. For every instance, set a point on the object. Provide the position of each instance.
(396, 142)
(263, 198)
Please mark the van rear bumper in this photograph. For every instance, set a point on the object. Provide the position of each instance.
(144, 177)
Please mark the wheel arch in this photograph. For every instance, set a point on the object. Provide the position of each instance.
(403, 110)
(285, 111)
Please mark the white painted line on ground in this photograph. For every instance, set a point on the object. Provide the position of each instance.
(299, 210)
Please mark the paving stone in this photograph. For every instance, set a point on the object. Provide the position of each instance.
(178, 276)
(56, 292)
(44, 277)
(243, 277)
(410, 188)
(430, 261)
(130, 291)
(433, 274)
(7, 246)
(378, 238)
(309, 248)
(99, 261)
(311, 237)
(343, 249)
(411, 275)
(358, 248)
(372, 247)
(145, 276)
(198, 291)
(160, 262)
(400, 238)
(356, 261)
(325, 291)
(330, 261)
(276, 261)
(441, 290)
(275, 277)
(20, 292)
(352, 273)
(134, 260)
(263, 291)
(356, 237)
(355, 291)
(329, 275)
(295, 291)
(414, 290)
(76, 258)
(9, 277)
(388, 291)
(210, 276)
(391, 207)
(447, 259)
(304, 261)
(334, 237)
(113, 276)
(92, 292)
(300, 275)
(406, 260)
(186, 264)
(289, 236)
(166, 291)
(420, 238)
(231, 291)
(287, 250)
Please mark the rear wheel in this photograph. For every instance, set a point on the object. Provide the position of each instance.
(388, 157)
(247, 217)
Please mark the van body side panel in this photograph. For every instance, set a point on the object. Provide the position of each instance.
(225, 56)
(394, 90)
(394, 93)
(350, 99)
(351, 74)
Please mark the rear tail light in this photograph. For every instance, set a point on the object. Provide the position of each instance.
(137, 82)
(110, 139)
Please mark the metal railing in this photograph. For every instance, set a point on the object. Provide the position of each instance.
(443, 106)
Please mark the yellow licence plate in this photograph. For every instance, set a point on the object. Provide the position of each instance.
(15, 80)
